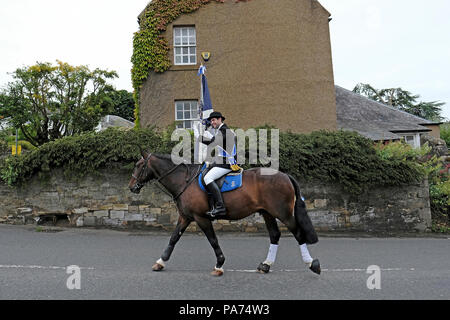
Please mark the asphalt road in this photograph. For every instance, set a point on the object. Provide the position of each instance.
(117, 265)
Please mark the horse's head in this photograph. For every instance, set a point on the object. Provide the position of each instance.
(142, 173)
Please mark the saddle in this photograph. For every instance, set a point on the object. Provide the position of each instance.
(227, 183)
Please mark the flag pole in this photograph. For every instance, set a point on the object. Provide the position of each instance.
(205, 108)
(199, 125)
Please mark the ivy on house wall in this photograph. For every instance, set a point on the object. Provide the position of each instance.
(150, 48)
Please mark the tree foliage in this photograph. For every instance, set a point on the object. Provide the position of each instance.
(445, 133)
(120, 103)
(403, 100)
(47, 102)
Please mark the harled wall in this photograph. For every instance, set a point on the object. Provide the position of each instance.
(271, 64)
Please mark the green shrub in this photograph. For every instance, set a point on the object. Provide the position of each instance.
(3, 146)
(445, 133)
(83, 154)
(343, 157)
(3, 141)
(339, 157)
(438, 178)
(401, 151)
(440, 200)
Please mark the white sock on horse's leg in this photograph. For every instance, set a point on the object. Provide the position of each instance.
(305, 255)
(161, 262)
(272, 255)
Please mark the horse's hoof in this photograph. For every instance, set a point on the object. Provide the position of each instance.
(263, 268)
(217, 272)
(315, 267)
(157, 267)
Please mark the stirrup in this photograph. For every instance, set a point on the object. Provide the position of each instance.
(213, 213)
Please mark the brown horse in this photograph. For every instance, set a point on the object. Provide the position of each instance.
(274, 196)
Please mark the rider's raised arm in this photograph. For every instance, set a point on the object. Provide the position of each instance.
(208, 136)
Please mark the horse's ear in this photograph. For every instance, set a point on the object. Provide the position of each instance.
(144, 154)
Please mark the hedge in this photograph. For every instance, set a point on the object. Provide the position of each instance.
(335, 157)
(82, 154)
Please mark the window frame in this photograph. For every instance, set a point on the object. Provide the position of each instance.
(181, 123)
(416, 137)
(182, 46)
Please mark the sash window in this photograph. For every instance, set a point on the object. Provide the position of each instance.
(186, 112)
(185, 45)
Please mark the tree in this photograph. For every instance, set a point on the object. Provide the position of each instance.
(445, 133)
(120, 103)
(49, 102)
(403, 100)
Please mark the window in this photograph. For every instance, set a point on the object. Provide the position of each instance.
(185, 45)
(412, 139)
(409, 140)
(186, 112)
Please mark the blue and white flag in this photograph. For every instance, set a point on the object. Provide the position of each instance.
(206, 107)
(231, 158)
(201, 70)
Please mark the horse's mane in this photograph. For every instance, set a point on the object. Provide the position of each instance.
(169, 158)
(162, 156)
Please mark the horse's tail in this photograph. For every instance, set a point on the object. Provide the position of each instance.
(308, 234)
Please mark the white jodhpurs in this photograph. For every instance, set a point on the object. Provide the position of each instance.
(214, 174)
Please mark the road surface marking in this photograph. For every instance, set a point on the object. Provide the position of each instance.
(39, 267)
(326, 270)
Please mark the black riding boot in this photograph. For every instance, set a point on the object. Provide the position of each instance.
(219, 208)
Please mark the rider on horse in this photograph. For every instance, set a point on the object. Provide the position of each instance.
(275, 197)
(218, 168)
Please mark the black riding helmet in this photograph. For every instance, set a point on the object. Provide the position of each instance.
(216, 115)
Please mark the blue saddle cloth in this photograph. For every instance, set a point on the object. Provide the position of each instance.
(230, 182)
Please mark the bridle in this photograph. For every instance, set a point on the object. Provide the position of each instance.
(138, 184)
(166, 174)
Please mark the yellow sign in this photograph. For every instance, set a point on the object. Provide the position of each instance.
(19, 150)
(206, 56)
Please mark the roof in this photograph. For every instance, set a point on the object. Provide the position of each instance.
(374, 120)
(314, 2)
(113, 121)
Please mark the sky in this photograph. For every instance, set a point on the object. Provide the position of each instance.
(386, 43)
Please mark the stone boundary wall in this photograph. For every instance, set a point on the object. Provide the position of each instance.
(104, 200)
